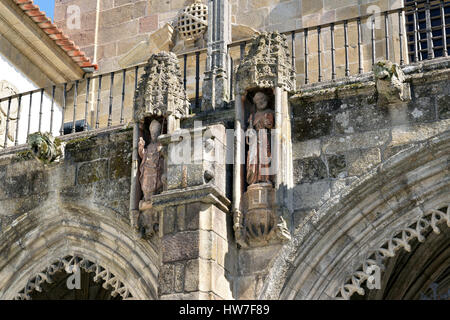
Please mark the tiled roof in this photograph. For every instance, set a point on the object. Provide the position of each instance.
(55, 33)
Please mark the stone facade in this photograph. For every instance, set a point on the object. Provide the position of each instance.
(344, 142)
(358, 204)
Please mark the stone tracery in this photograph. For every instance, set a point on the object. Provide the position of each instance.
(68, 264)
(400, 239)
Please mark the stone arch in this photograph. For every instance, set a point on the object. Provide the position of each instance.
(399, 239)
(100, 239)
(70, 263)
(385, 208)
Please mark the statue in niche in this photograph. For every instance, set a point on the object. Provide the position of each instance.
(151, 168)
(258, 138)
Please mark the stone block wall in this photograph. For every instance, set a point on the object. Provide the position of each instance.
(96, 170)
(198, 253)
(341, 133)
(122, 24)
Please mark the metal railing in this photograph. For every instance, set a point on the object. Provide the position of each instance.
(104, 100)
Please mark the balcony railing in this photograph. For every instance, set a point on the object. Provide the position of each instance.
(319, 53)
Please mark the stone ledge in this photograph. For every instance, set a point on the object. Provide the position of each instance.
(206, 193)
(435, 69)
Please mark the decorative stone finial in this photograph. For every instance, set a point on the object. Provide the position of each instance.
(45, 147)
(267, 65)
(390, 82)
(160, 91)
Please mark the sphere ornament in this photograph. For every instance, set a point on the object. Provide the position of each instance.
(193, 21)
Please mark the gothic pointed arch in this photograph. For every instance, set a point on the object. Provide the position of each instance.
(61, 235)
(402, 200)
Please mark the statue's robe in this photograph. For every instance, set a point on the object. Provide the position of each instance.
(151, 170)
(259, 152)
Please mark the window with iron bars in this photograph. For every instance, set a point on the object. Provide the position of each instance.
(427, 29)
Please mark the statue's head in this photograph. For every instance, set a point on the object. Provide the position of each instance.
(155, 129)
(261, 100)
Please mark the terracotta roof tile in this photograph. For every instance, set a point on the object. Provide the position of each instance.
(55, 33)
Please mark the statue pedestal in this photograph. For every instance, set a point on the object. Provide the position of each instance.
(146, 219)
(260, 213)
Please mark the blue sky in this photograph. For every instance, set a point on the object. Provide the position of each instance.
(46, 5)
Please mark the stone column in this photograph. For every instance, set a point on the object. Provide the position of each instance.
(215, 84)
(195, 227)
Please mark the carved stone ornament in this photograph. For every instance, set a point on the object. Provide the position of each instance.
(193, 21)
(45, 147)
(160, 91)
(71, 264)
(390, 82)
(267, 65)
(418, 229)
(261, 224)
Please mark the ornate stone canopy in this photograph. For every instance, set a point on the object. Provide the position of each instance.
(160, 91)
(267, 65)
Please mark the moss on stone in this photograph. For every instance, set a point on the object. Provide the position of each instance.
(24, 156)
(79, 143)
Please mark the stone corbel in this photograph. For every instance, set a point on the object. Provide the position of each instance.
(390, 82)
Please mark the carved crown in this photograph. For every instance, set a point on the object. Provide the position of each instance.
(160, 91)
(267, 65)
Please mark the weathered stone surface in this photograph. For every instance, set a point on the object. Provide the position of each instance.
(337, 166)
(443, 103)
(342, 211)
(306, 149)
(360, 162)
(90, 172)
(167, 278)
(179, 277)
(408, 134)
(180, 246)
(368, 139)
(309, 170)
(310, 195)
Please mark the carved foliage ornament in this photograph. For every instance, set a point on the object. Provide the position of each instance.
(192, 22)
(400, 239)
(268, 64)
(160, 91)
(70, 264)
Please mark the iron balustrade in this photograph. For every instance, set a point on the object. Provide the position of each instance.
(421, 27)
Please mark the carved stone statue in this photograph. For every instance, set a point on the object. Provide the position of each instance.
(258, 138)
(45, 147)
(152, 164)
(390, 83)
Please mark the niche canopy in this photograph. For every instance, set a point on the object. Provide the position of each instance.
(160, 102)
(267, 64)
(160, 92)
